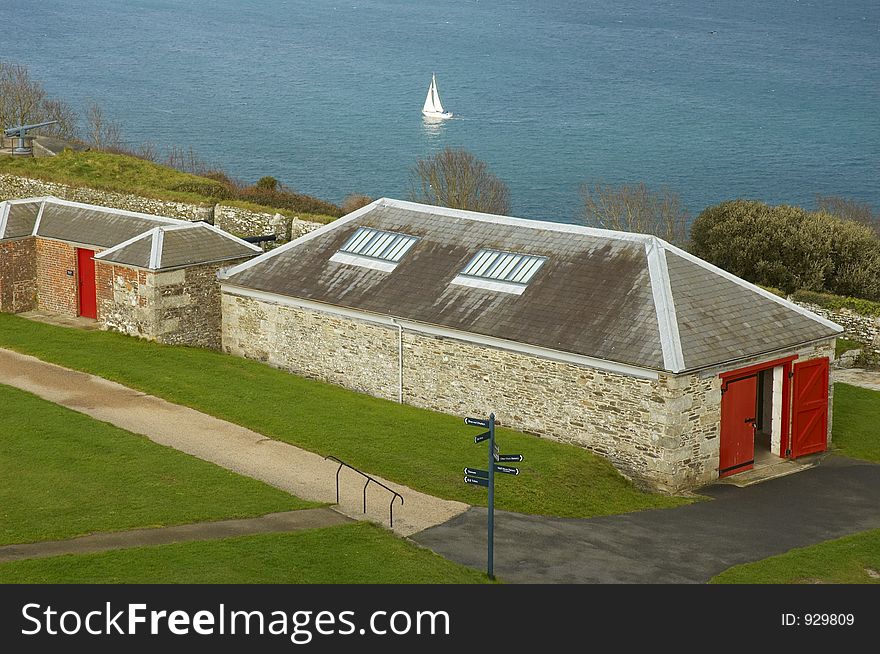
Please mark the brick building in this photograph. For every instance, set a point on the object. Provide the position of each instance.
(143, 275)
(675, 370)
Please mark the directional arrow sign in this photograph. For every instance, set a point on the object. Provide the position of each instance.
(479, 438)
(474, 472)
(510, 457)
(477, 481)
(507, 470)
(477, 422)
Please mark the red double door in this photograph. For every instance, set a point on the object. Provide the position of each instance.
(85, 275)
(807, 400)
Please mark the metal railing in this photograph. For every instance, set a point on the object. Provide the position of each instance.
(394, 493)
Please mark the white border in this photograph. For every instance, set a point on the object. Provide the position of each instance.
(363, 262)
(489, 285)
(667, 320)
(4, 215)
(156, 248)
(445, 332)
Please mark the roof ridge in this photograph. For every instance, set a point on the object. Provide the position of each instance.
(664, 305)
(530, 223)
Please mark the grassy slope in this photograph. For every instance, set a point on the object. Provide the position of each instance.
(855, 430)
(63, 474)
(842, 561)
(844, 345)
(124, 174)
(356, 553)
(422, 449)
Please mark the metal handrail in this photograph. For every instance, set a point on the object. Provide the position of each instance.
(394, 493)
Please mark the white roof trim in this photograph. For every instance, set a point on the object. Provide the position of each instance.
(156, 248)
(489, 284)
(752, 287)
(363, 262)
(515, 222)
(4, 216)
(305, 238)
(119, 246)
(667, 320)
(444, 332)
(39, 218)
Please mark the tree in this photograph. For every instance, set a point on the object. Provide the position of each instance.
(455, 178)
(860, 212)
(635, 208)
(102, 133)
(789, 248)
(24, 101)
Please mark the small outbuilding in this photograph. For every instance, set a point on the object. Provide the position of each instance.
(677, 371)
(139, 274)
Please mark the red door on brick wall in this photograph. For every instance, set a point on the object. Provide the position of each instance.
(809, 424)
(738, 405)
(85, 267)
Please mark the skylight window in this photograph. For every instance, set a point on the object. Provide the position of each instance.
(494, 270)
(387, 246)
(374, 248)
(504, 266)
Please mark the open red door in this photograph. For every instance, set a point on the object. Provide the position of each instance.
(88, 300)
(738, 405)
(809, 424)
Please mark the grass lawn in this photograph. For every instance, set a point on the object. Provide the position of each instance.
(357, 553)
(125, 174)
(419, 448)
(846, 560)
(845, 345)
(63, 474)
(856, 425)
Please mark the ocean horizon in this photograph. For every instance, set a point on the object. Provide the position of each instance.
(775, 101)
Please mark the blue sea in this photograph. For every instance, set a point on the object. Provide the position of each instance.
(769, 99)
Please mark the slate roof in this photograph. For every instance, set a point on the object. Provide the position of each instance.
(626, 298)
(128, 236)
(178, 246)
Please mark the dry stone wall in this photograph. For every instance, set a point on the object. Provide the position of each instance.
(858, 327)
(235, 220)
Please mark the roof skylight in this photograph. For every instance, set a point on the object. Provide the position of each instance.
(376, 244)
(504, 266)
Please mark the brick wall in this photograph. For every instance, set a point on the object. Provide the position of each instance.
(18, 274)
(56, 289)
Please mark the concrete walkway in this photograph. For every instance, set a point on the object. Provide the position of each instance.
(297, 471)
(273, 523)
(858, 377)
(688, 544)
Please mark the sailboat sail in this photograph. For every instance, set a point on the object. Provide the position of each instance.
(429, 101)
(438, 107)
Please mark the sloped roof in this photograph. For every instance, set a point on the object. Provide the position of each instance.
(178, 246)
(626, 298)
(137, 239)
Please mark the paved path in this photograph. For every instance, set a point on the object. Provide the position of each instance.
(687, 544)
(858, 377)
(297, 471)
(101, 542)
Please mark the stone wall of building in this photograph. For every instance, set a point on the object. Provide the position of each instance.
(57, 288)
(179, 307)
(660, 432)
(18, 275)
(665, 433)
(235, 220)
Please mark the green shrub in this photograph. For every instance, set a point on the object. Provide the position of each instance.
(284, 199)
(267, 184)
(836, 302)
(789, 248)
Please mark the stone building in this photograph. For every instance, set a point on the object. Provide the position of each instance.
(135, 273)
(675, 370)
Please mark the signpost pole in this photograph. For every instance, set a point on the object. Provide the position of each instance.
(490, 561)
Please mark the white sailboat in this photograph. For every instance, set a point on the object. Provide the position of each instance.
(433, 107)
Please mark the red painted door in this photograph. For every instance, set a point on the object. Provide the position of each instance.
(809, 424)
(85, 266)
(738, 404)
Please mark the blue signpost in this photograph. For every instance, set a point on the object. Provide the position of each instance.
(486, 478)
